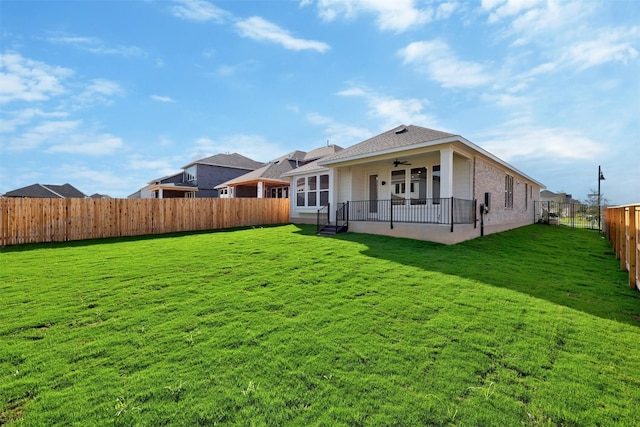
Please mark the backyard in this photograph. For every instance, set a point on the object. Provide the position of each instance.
(276, 326)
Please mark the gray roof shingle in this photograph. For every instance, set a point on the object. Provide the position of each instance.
(65, 191)
(399, 137)
(233, 160)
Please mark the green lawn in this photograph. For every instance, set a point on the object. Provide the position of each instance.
(275, 326)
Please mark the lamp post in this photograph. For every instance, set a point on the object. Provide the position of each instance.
(600, 178)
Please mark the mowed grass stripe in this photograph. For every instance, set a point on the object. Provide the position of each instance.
(275, 326)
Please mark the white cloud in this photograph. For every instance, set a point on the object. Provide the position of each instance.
(96, 92)
(95, 45)
(257, 28)
(227, 70)
(540, 21)
(92, 180)
(199, 10)
(505, 8)
(396, 15)
(338, 133)
(97, 145)
(255, 147)
(521, 139)
(27, 80)
(164, 99)
(20, 118)
(165, 166)
(391, 112)
(611, 45)
(436, 59)
(64, 136)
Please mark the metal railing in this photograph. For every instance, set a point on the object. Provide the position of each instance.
(424, 211)
(322, 217)
(574, 215)
(342, 215)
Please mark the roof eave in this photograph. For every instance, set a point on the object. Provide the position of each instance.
(447, 140)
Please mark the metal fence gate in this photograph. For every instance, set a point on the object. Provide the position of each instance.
(574, 215)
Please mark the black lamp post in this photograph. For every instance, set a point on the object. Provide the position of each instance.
(600, 178)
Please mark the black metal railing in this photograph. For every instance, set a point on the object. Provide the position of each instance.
(322, 217)
(342, 215)
(574, 215)
(424, 211)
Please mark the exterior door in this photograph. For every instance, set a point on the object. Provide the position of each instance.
(373, 193)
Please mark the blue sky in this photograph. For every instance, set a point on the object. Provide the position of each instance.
(108, 95)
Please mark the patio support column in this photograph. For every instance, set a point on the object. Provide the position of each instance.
(160, 193)
(446, 173)
(333, 191)
(260, 189)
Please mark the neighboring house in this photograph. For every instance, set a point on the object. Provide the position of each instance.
(199, 178)
(550, 196)
(65, 191)
(267, 181)
(99, 196)
(415, 182)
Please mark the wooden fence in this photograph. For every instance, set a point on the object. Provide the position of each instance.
(60, 220)
(623, 231)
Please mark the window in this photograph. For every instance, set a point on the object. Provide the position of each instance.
(190, 174)
(418, 186)
(435, 185)
(398, 186)
(324, 190)
(300, 196)
(526, 196)
(312, 191)
(278, 193)
(508, 192)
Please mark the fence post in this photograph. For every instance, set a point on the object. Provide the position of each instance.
(632, 247)
(391, 208)
(451, 209)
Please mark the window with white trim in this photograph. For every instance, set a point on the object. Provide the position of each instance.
(312, 191)
(508, 191)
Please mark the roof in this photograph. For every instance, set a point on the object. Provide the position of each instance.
(234, 160)
(308, 168)
(321, 152)
(394, 139)
(159, 180)
(281, 166)
(404, 138)
(272, 171)
(65, 191)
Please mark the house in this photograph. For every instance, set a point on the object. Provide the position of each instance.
(199, 178)
(414, 182)
(267, 181)
(550, 196)
(65, 191)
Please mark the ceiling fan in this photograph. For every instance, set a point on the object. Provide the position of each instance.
(400, 162)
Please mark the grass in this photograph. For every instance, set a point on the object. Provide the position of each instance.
(275, 326)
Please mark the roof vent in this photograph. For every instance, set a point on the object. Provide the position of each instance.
(402, 130)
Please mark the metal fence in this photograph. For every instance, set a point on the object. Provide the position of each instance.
(574, 215)
(424, 211)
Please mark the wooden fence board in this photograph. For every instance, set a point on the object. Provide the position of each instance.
(58, 220)
(623, 234)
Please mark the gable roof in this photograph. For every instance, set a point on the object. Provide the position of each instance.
(272, 172)
(404, 138)
(391, 140)
(234, 160)
(278, 168)
(64, 191)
